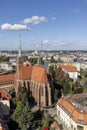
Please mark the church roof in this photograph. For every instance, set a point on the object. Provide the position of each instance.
(39, 74)
(25, 72)
(36, 73)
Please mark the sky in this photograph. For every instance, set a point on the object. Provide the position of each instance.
(43, 24)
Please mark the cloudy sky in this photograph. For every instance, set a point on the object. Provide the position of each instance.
(43, 24)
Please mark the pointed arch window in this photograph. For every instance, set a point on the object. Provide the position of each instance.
(42, 91)
(24, 84)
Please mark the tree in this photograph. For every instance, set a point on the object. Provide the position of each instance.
(22, 94)
(17, 113)
(61, 76)
(41, 61)
(52, 128)
(52, 59)
(67, 89)
(51, 70)
(33, 61)
(4, 58)
(56, 94)
(12, 92)
(45, 123)
(26, 118)
(23, 115)
(85, 86)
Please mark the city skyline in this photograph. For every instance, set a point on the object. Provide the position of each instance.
(46, 25)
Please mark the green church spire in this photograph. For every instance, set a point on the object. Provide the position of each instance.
(19, 49)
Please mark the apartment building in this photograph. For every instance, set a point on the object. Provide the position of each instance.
(72, 110)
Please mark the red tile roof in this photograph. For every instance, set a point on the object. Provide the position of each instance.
(7, 78)
(55, 125)
(74, 112)
(36, 73)
(4, 94)
(68, 68)
(25, 72)
(39, 74)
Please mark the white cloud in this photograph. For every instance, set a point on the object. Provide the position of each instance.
(1, 36)
(14, 27)
(35, 20)
(53, 18)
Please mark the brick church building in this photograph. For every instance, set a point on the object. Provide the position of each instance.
(35, 79)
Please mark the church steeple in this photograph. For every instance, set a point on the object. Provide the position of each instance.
(18, 66)
(19, 49)
(38, 60)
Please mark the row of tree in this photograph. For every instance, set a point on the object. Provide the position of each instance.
(63, 85)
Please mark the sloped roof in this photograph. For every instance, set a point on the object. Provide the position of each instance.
(74, 112)
(7, 78)
(25, 72)
(36, 73)
(55, 125)
(39, 74)
(68, 68)
(4, 94)
(79, 116)
(65, 103)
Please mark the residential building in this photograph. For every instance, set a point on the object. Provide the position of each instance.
(4, 108)
(70, 69)
(6, 66)
(4, 102)
(7, 81)
(72, 110)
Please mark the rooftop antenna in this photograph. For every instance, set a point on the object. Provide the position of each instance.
(39, 56)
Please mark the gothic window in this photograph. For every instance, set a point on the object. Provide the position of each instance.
(42, 91)
(47, 96)
(19, 84)
(31, 83)
(24, 84)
